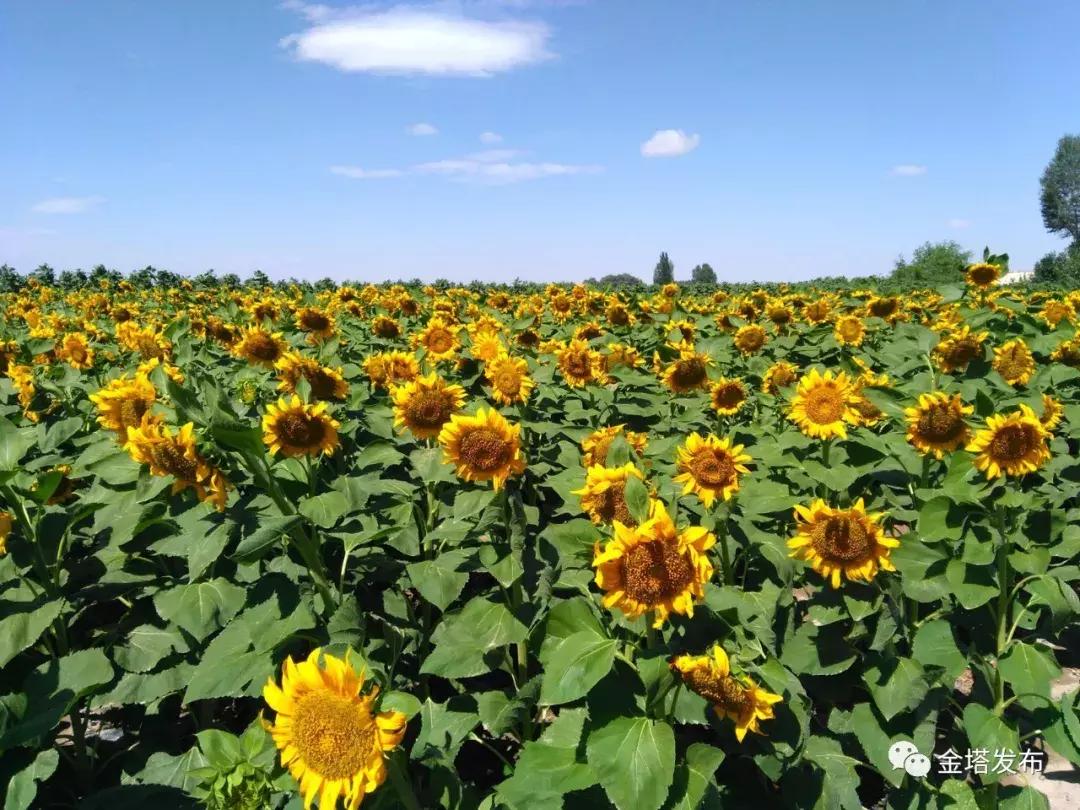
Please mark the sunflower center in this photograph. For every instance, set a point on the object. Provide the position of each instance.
(824, 405)
(689, 372)
(618, 316)
(883, 307)
(751, 340)
(301, 430)
(508, 382)
(983, 274)
(961, 352)
(171, 458)
(314, 321)
(484, 449)
(439, 341)
(263, 347)
(940, 423)
(131, 412)
(1012, 442)
(1012, 364)
(728, 396)
(713, 468)
(578, 365)
(655, 571)
(612, 505)
(841, 538)
(323, 385)
(726, 691)
(429, 409)
(334, 735)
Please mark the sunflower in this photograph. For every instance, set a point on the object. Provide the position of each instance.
(842, 542)
(75, 351)
(849, 330)
(5, 531)
(331, 738)
(1054, 312)
(259, 346)
(1013, 444)
(487, 346)
(727, 395)
(124, 402)
(439, 338)
(425, 404)
(296, 428)
(817, 311)
(578, 363)
(326, 383)
(1068, 352)
(885, 307)
(509, 378)
(1052, 412)
(710, 467)
(389, 368)
(319, 324)
(936, 424)
(750, 338)
(779, 375)
(1014, 362)
(595, 446)
(688, 373)
(484, 447)
(603, 497)
(736, 697)
(958, 348)
(168, 453)
(654, 567)
(982, 275)
(385, 327)
(822, 404)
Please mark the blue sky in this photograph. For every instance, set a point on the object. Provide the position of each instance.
(544, 139)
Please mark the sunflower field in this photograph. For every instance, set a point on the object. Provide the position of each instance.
(492, 547)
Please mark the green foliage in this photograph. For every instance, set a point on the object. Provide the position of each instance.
(1059, 189)
(932, 264)
(703, 274)
(664, 272)
(1060, 270)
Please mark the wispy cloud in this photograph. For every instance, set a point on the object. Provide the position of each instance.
(357, 173)
(490, 137)
(67, 205)
(415, 40)
(907, 170)
(959, 223)
(422, 129)
(492, 167)
(670, 143)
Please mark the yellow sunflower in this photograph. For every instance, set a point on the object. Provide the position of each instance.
(326, 383)
(1068, 352)
(727, 395)
(487, 346)
(1013, 444)
(710, 467)
(75, 351)
(779, 375)
(124, 402)
(823, 404)
(425, 404)
(603, 497)
(259, 346)
(168, 453)
(385, 327)
(439, 338)
(317, 323)
(849, 330)
(509, 378)
(689, 372)
(578, 363)
(936, 424)
(958, 348)
(1052, 413)
(1014, 362)
(982, 275)
(595, 446)
(654, 567)
(485, 447)
(330, 736)
(750, 338)
(736, 697)
(842, 542)
(5, 531)
(295, 428)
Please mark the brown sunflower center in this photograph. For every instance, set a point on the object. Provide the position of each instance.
(577, 364)
(824, 405)
(263, 347)
(883, 307)
(961, 351)
(314, 321)
(508, 381)
(689, 372)
(841, 537)
(655, 571)
(131, 412)
(589, 332)
(386, 328)
(751, 340)
(728, 396)
(612, 505)
(940, 423)
(618, 316)
(850, 329)
(429, 409)
(983, 274)
(726, 691)
(323, 385)
(335, 736)
(1012, 363)
(485, 450)
(1012, 442)
(170, 457)
(439, 341)
(300, 430)
(713, 468)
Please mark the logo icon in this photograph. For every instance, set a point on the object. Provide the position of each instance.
(904, 756)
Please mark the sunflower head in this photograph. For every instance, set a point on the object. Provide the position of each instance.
(1052, 412)
(259, 346)
(6, 522)
(296, 428)
(936, 424)
(603, 497)
(578, 363)
(439, 338)
(326, 383)
(958, 348)
(1013, 444)
(710, 467)
(842, 542)
(982, 275)
(596, 445)
(484, 447)
(124, 402)
(318, 323)
(690, 372)
(779, 375)
(509, 378)
(1014, 362)
(330, 735)
(425, 404)
(385, 327)
(174, 454)
(749, 338)
(849, 330)
(727, 395)
(823, 404)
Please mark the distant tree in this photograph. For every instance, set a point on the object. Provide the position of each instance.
(230, 280)
(258, 279)
(1059, 269)
(144, 278)
(10, 280)
(1060, 189)
(703, 274)
(620, 280)
(932, 263)
(207, 279)
(168, 279)
(665, 271)
(45, 274)
(325, 284)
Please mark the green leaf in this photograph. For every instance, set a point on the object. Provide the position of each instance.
(202, 607)
(549, 767)
(1028, 669)
(897, 685)
(838, 789)
(634, 759)
(146, 646)
(20, 629)
(22, 788)
(817, 651)
(934, 646)
(256, 544)
(875, 741)
(695, 777)
(462, 639)
(443, 727)
(575, 665)
(637, 498)
(986, 730)
(14, 442)
(440, 581)
(498, 712)
(325, 510)
(173, 771)
(1022, 797)
(206, 549)
(973, 585)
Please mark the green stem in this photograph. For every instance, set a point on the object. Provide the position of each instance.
(402, 785)
(650, 631)
(1002, 612)
(725, 554)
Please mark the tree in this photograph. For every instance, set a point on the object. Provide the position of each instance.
(1060, 189)
(665, 271)
(932, 263)
(620, 280)
(258, 280)
(1059, 269)
(703, 274)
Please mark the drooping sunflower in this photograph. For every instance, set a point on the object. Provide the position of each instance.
(295, 428)
(330, 736)
(167, 453)
(849, 330)
(654, 567)
(842, 542)
(509, 378)
(736, 697)
(982, 275)
(823, 404)
(710, 467)
(578, 363)
(326, 383)
(425, 404)
(1014, 362)
(484, 447)
(603, 497)
(1052, 412)
(439, 338)
(779, 375)
(385, 327)
(690, 372)
(727, 395)
(936, 424)
(595, 446)
(75, 351)
(318, 323)
(124, 402)
(1068, 352)
(749, 338)
(259, 346)
(386, 369)
(958, 348)
(1011, 444)
(6, 522)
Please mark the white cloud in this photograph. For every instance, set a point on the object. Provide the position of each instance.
(494, 155)
(907, 170)
(356, 173)
(959, 223)
(670, 143)
(67, 205)
(406, 40)
(422, 129)
(490, 137)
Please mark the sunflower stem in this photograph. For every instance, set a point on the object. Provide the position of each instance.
(1002, 612)
(720, 524)
(402, 785)
(650, 631)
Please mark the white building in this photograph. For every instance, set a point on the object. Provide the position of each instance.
(1014, 276)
